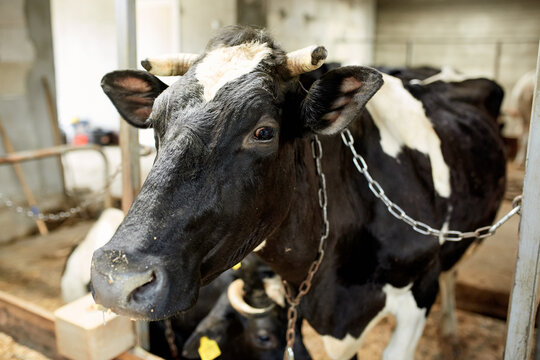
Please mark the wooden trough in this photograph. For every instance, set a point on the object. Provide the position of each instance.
(56, 337)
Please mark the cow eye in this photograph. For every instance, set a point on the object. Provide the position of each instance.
(265, 340)
(264, 133)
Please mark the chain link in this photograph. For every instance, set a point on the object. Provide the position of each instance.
(393, 209)
(418, 226)
(34, 213)
(169, 335)
(303, 289)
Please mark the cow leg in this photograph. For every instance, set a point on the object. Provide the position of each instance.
(410, 321)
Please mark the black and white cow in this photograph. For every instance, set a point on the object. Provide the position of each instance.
(249, 321)
(235, 171)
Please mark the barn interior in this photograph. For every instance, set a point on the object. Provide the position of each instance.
(63, 164)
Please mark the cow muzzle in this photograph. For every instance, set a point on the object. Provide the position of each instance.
(122, 285)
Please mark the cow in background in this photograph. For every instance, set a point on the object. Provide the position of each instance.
(250, 320)
(75, 282)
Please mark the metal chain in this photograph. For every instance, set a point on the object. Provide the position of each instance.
(418, 226)
(34, 213)
(169, 335)
(294, 301)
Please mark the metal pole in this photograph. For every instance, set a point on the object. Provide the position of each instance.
(129, 136)
(58, 151)
(520, 326)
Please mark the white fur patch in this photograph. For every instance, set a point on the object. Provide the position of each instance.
(402, 121)
(225, 64)
(410, 321)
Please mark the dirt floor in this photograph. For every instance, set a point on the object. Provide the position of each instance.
(31, 269)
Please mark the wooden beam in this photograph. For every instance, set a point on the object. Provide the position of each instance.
(42, 227)
(520, 326)
(28, 324)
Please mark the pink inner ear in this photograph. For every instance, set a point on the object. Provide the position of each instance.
(133, 84)
(350, 84)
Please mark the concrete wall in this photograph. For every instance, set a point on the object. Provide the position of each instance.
(26, 56)
(495, 38)
(85, 47)
(345, 27)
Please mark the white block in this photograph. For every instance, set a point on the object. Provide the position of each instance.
(84, 333)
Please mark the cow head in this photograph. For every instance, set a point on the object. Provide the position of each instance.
(227, 134)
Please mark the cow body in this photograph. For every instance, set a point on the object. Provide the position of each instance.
(235, 171)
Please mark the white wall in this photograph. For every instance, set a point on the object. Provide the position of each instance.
(85, 47)
(84, 50)
(26, 60)
(345, 28)
(496, 38)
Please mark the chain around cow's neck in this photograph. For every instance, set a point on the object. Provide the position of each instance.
(294, 301)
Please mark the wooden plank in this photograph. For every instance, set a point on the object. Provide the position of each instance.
(137, 353)
(42, 227)
(28, 324)
(523, 298)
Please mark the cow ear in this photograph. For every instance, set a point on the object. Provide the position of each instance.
(133, 93)
(337, 97)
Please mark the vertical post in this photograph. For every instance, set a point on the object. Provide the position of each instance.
(497, 60)
(520, 326)
(409, 53)
(129, 136)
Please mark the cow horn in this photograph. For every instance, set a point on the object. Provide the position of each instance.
(169, 65)
(306, 59)
(235, 293)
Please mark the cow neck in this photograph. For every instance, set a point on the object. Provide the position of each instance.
(291, 249)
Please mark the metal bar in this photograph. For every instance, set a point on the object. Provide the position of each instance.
(129, 136)
(409, 53)
(497, 61)
(28, 155)
(520, 326)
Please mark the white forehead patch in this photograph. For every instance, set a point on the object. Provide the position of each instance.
(225, 64)
(402, 121)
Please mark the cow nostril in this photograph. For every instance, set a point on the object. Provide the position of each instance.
(140, 293)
